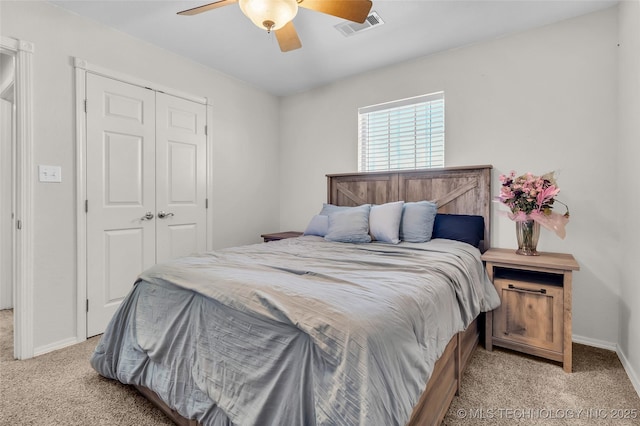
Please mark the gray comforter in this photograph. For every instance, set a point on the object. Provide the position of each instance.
(296, 332)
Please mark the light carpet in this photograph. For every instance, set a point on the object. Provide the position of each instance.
(498, 388)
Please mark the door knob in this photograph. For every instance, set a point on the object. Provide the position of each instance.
(162, 214)
(147, 216)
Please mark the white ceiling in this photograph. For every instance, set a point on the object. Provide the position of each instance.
(224, 39)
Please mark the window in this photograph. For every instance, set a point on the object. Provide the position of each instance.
(404, 134)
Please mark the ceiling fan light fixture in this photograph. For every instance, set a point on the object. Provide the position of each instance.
(269, 14)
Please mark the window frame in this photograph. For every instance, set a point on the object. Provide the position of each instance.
(428, 134)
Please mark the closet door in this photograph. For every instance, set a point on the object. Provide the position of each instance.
(121, 234)
(180, 177)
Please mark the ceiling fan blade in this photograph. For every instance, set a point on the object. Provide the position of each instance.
(353, 10)
(206, 7)
(288, 38)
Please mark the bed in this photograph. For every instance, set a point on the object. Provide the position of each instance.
(309, 331)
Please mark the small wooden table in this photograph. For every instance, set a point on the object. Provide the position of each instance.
(280, 235)
(535, 312)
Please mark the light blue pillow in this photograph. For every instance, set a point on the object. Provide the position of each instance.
(417, 221)
(384, 222)
(327, 209)
(349, 225)
(319, 225)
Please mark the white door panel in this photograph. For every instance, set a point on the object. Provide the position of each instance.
(183, 239)
(119, 269)
(118, 105)
(123, 165)
(120, 191)
(180, 177)
(182, 170)
(146, 154)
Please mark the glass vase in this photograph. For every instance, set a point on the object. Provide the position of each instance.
(527, 232)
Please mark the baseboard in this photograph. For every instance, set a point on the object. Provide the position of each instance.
(633, 376)
(595, 343)
(628, 368)
(41, 350)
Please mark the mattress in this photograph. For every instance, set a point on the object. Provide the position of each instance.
(298, 331)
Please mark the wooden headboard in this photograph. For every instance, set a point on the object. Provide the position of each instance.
(456, 190)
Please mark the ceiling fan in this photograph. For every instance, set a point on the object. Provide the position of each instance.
(277, 15)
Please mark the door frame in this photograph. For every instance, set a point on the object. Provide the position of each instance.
(23, 186)
(82, 67)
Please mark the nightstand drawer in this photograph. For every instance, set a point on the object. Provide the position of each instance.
(530, 314)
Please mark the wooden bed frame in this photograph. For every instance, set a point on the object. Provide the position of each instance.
(456, 190)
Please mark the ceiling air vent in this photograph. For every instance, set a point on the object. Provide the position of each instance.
(350, 28)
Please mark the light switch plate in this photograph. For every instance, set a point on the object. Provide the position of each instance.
(50, 173)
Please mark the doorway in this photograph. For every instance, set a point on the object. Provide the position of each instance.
(7, 204)
(16, 258)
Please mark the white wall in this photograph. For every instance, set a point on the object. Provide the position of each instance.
(628, 206)
(244, 136)
(536, 101)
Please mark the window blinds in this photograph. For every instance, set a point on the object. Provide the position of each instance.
(404, 134)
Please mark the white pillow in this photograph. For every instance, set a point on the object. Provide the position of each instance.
(384, 222)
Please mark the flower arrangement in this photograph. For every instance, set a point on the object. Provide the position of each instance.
(532, 197)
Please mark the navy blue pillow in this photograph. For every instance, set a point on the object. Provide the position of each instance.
(466, 228)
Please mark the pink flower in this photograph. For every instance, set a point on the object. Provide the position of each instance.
(527, 194)
(546, 195)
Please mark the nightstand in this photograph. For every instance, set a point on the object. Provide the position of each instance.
(280, 236)
(535, 312)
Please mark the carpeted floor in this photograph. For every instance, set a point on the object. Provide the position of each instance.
(499, 387)
(61, 388)
(504, 387)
